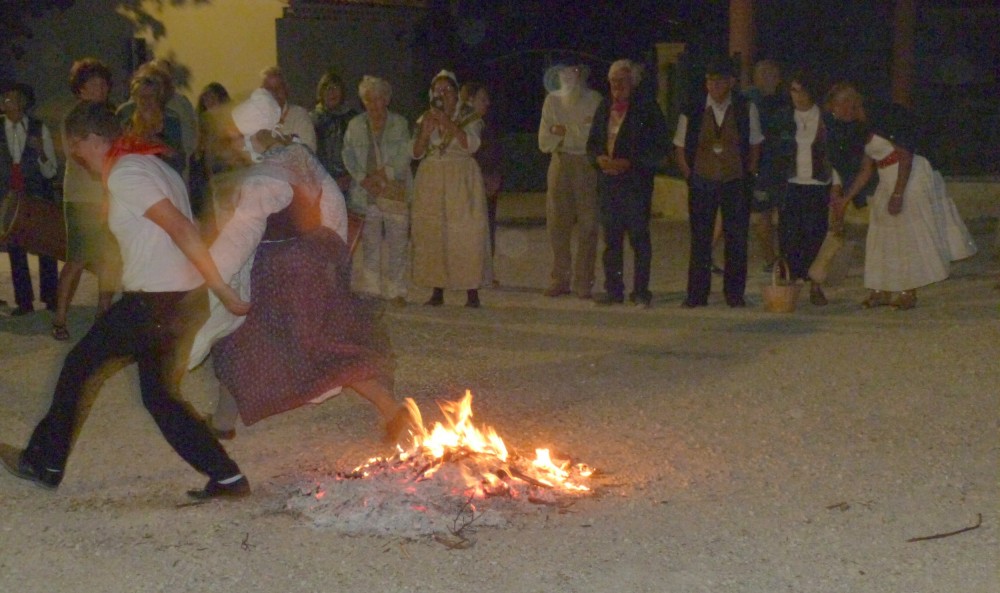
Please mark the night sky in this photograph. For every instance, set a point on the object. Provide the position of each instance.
(510, 43)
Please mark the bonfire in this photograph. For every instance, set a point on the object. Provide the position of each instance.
(454, 471)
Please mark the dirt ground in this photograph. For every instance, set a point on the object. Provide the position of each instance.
(741, 451)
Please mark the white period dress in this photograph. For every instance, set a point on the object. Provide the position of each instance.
(915, 247)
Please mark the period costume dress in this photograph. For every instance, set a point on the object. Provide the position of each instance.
(915, 247)
(306, 333)
(448, 217)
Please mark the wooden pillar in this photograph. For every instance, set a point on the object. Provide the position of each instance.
(901, 70)
(741, 37)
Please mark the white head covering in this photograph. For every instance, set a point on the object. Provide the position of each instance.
(259, 112)
(442, 74)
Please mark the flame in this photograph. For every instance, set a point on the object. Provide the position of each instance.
(486, 465)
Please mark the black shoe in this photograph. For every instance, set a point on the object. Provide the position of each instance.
(22, 311)
(472, 299)
(50, 307)
(606, 299)
(690, 303)
(736, 302)
(13, 461)
(213, 489)
(437, 299)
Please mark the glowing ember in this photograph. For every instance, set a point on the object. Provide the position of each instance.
(484, 465)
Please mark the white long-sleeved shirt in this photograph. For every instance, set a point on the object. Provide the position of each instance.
(17, 139)
(575, 113)
(719, 112)
(234, 248)
(806, 127)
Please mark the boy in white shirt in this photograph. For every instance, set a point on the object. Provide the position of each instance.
(166, 270)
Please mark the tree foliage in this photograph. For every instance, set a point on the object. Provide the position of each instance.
(15, 17)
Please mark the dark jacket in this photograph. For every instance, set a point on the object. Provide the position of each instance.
(642, 139)
(777, 124)
(845, 146)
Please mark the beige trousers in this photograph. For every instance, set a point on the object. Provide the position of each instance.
(571, 203)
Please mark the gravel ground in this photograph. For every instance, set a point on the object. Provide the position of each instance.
(740, 450)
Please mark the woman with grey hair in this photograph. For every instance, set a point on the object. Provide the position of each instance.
(377, 157)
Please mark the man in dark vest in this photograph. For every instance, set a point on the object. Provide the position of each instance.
(28, 162)
(718, 149)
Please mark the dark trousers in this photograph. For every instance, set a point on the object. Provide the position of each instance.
(48, 278)
(155, 330)
(625, 208)
(802, 225)
(705, 198)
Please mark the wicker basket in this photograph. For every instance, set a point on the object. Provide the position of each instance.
(782, 293)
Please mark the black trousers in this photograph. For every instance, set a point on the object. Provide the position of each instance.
(705, 198)
(802, 224)
(48, 278)
(154, 329)
(625, 208)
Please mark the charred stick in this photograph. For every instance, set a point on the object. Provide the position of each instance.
(979, 521)
(522, 476)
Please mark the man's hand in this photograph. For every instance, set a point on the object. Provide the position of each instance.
(558, 130)
(231, 300)
(375, 183)
(612, 166)
(895, 204)
(838, 206)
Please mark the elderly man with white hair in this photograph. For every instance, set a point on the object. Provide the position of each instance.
(627, 142)
(571, 197)
(295, 120)
(377, 156)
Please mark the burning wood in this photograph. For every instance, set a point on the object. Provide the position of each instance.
(453, 465)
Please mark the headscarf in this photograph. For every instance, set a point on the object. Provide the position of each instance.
(259, 112)
(442, 74)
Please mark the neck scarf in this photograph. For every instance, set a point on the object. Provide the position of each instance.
(127, 144)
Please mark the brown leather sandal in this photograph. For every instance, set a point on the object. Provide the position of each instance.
(877, 298)
(59, 332)
(906, 300)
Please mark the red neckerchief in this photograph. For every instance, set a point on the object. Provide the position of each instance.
(128, 144)
(619, 107)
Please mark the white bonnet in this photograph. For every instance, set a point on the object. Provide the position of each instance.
(259, 112)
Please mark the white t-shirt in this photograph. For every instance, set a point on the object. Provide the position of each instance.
(152, 261)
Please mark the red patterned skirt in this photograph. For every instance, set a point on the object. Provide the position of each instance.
(306, 332)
